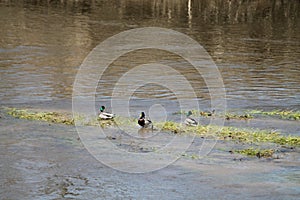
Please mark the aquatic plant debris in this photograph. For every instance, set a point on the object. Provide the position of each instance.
(241, 135)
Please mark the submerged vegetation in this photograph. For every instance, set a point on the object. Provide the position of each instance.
(283, 114)
(56, 117)
(253, 137)
(250, 114)
(249, 136)
(227, 116)
(257, 152)
(244, 136)
(53, 117)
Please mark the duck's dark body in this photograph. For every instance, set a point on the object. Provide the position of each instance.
(143, 122)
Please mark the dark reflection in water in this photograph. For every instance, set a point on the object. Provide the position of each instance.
(256, 45)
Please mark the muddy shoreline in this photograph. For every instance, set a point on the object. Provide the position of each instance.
(43, 160)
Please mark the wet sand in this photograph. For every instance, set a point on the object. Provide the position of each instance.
(41, 160)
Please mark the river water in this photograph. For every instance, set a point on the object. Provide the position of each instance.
(255, 45)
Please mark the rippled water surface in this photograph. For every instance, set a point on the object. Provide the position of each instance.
(255, 45)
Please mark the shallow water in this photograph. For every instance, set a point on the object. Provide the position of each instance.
(47, 161)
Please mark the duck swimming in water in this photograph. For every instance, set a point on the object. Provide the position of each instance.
(105, 115)
(143, 122)
(190, 121)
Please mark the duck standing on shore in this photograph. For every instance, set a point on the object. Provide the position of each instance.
(105, 115)
(190, 121)
(143, 122)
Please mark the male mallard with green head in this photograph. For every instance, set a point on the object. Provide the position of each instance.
(105, 115)
(143, 122)
(190, 121)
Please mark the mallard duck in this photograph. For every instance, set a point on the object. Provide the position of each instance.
(190, 121)
(143, 122)
(211, 113)
(105, 115)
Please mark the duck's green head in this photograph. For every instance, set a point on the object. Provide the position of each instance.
(189, 113)
(142, 114)
(102, 108)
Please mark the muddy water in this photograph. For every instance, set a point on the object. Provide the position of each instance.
(47, 161)
(255, 45)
